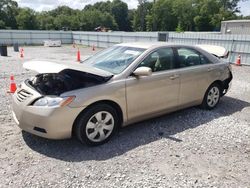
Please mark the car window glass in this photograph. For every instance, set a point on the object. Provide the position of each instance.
(114, 59)
(160, 60)
(189, 57)
(204, 60)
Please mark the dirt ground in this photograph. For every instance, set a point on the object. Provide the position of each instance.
(188, 148)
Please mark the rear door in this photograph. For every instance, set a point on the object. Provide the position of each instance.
(195, 71)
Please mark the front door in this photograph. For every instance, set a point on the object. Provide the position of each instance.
(153, 94)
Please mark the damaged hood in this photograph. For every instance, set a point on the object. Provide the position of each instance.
(43, 66)
(218, 51)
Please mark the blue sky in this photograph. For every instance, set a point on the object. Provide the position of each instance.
(245, 8)
(40, 5)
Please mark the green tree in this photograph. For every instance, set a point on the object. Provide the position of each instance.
(143, 16)
(62, 10)
(119, 10)
(210, 13)
(109, 21)
(101, 6)
(45, 21)
(184, 12)
(230, 5)
(131, 14)
(91, 19)
(26, 19)
(162, 16)
(2, 24)
(75, 22)
(62, 22)
(8, 12)
(61, 18)
(206, 9)
(150, 15)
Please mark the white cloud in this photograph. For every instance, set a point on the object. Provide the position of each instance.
(132, 3)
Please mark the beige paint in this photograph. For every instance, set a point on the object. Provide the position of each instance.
(139, 97)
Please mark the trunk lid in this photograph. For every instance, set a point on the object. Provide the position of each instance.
(218, 51)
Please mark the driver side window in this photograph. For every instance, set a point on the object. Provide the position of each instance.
(160, 60)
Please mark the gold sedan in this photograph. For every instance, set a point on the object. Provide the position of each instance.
(118, 86)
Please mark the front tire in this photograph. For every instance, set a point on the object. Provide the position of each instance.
(212, 97)
(97, 125)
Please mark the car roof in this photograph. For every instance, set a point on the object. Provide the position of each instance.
(211, 49)
(146, 45)
(149, 45)
(204, 49)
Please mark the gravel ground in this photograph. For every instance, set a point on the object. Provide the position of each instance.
(188, 148)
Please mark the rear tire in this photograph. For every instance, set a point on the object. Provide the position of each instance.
(212, 97)
(97, 125)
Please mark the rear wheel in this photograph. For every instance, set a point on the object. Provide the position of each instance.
(212, 97)
(97, 125)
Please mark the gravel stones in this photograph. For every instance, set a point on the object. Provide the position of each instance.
(188, 148)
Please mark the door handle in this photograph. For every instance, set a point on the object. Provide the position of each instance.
(210, 69)
(174, 77)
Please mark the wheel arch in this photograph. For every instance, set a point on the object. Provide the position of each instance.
(220, 83)
(113, 104)
(204, 104)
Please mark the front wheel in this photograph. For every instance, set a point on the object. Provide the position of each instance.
(97, 125)
(212, 97)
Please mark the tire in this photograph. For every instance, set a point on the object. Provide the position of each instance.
(96, 125)
(212, 97)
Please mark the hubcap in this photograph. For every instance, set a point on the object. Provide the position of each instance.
(100, 126)
(213, 96)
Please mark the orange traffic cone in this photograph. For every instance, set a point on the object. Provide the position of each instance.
(93, 48)
(21, 53)
(78, 55)
(12, 85)
(238, 61)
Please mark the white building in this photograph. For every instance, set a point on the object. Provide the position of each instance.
(235, 27)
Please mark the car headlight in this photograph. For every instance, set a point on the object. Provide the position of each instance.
(54, 101)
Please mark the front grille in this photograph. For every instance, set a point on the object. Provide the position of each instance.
(23, 95)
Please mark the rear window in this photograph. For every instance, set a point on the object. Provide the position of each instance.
(190, 57)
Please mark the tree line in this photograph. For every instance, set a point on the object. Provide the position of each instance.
(157, 15)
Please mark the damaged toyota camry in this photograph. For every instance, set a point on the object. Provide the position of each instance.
(116, 87)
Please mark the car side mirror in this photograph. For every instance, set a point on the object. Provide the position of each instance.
(142, 71)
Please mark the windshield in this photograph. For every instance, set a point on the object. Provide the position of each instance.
(114, 59)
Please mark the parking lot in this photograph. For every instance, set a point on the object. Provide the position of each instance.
(192, 147)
